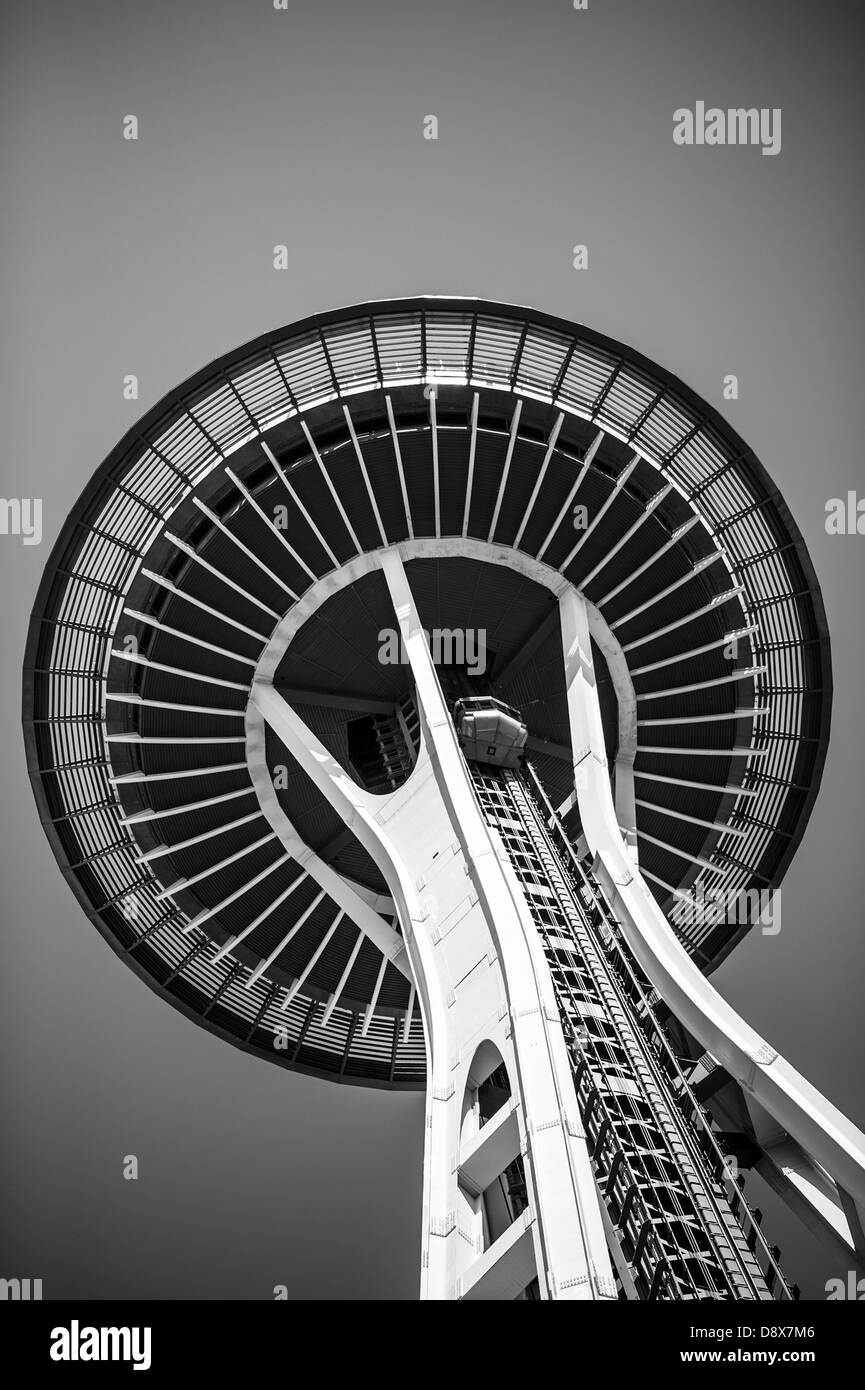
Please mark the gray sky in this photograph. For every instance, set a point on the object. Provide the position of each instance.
(305, 127)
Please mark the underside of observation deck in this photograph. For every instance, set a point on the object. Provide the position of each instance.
(233, 514)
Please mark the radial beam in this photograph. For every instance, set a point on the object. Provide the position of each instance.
(515, 424)
(145, 739)
(343, 980)
(373, 1003)
(551, 444)
(295, 496)
(214, 911)
(330, 487)
(145, 661)
(720, 826)
(656, 555)
(181, 884)
(732, 714)
(601, 512)
(197, 559)
(187, 637)
(266, 912)
(280, 946)
(365, 474)
(720, 787)
(473, 440)
(681, 751)
(434, 438)
(680, 853)
(150, 814)
(692, 573)
(134, 777)
(648, 510)
(729, 637)
(577, 484)
(716, 602)
(197, 603)
(313, 960)
(177, 845)
(123, 697)
(274, 530)
(744, 673)
(244, 549)
(399, 465)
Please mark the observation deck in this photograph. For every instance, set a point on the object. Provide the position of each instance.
(235, 531)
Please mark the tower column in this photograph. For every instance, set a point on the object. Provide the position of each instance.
(489, 1011)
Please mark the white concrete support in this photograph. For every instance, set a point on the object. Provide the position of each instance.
(353, 900)
(806, 1187)
(486, 997)
(816, 1199)
(819, 1129)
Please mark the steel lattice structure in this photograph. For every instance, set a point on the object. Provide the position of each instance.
(244, 544)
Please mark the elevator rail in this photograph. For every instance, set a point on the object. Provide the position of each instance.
(678, 1224)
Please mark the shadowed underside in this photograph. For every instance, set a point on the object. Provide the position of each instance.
(472, 431)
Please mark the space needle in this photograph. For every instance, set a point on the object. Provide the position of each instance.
(462, 868)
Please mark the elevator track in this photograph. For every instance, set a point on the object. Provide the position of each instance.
(677, 1223)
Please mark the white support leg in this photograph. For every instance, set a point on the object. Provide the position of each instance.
(818, 1202)
(486, 997)
(801, 1111)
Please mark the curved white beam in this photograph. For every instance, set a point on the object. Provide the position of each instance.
(266, 703)
(821, 1129)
